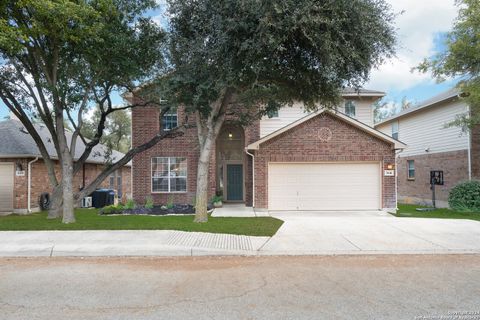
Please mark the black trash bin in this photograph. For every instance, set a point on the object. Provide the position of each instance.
(102, 198)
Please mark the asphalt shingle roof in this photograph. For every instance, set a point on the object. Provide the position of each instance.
(16, 142)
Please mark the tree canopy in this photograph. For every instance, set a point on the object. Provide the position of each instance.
(118, 127)
(58, 58)
(461, 59)
(244, 58)
(276, 51)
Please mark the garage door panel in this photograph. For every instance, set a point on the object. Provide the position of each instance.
(324, 186)
(6, 187)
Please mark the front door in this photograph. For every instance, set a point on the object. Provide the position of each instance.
(234, 182)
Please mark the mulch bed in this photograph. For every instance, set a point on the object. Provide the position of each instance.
(156, 210)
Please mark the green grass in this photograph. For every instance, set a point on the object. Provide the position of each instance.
(408, 210)
(88, 219)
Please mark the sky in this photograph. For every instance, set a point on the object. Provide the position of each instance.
(421, 27)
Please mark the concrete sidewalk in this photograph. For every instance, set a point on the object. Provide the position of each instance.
(125, 243)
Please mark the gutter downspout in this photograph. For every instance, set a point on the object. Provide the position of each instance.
(397, 159)
(29, 192)
(253, 177)
(469, 152)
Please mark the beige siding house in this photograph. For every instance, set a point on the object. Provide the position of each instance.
(431, 145)
(359, 108)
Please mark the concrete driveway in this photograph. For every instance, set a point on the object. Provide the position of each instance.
(370, 232)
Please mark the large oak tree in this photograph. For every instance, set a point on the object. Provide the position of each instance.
(246, 57)
(61, 57)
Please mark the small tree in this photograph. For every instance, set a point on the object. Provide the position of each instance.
(245, 57)
(60, 57)
(461, 59)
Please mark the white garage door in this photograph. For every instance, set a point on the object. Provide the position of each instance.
(6, 187)
(324, 186)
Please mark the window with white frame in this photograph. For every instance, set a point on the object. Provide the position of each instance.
(350, 109)
(169, 174)
(395, 130)
(170, 120)
(410, 169)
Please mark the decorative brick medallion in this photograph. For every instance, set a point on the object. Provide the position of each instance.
(325, 134)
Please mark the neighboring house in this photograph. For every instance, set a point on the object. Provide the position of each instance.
(432, 145)
(289, 160)
(23, 174)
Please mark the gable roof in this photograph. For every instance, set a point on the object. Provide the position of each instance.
(444, 96)
(360, 125)
(16, 142)
(352, 92)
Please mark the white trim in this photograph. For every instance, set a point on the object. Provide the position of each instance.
(29, 187)
(253, 176)
(397, 144)
(165, 114)
(469, 148)
(169, 177)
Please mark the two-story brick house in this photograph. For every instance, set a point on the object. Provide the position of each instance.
(290, 160)
(433, 145)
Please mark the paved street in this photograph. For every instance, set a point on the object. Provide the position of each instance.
(308, 287)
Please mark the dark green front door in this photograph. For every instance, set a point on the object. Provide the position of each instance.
(234, 182)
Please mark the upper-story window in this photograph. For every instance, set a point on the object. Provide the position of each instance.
(272, 114)
(350, 109)
(170, 120)
(395, 130)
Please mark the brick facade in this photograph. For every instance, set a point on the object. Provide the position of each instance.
(40, 182)
(298, 144)
(301, 144)
(455, 169)
(146, 124)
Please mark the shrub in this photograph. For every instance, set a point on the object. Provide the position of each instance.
(170, 202)
(130, 204)
(111, 210)
(465, 196)
(216, 198)
(149, 202)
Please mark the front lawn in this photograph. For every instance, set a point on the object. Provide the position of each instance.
(88, 219)
(408, 210)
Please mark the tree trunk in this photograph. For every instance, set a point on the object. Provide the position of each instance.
(208, 130)
(67, 185)
(56, 201)
(201, 198)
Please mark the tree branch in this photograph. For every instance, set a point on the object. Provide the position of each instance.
(179, 131)
(17, 110)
